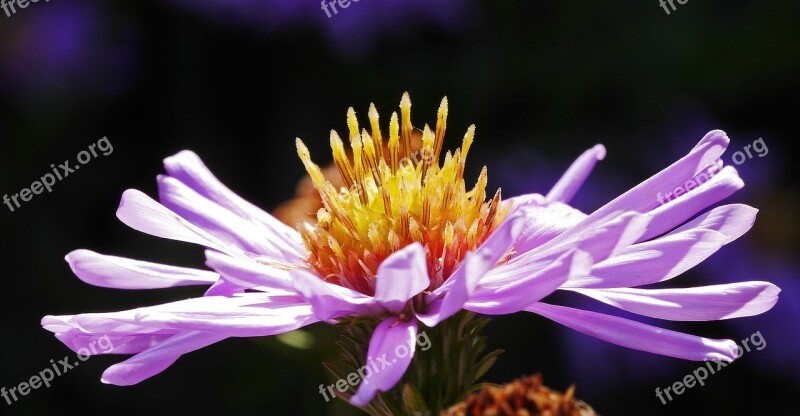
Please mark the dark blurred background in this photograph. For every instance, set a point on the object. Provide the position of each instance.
(237, 81)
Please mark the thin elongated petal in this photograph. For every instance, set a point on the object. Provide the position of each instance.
(216, 220)
(157, 358)
(601, 242)
(545, 222)
(576, 175)
(448, 299)
(402, 276)
(732, 220)
(611, 238)
(223, 287)
(121, 273)
(669, 256)
(653, 261)
(117, 338)
(638, 336)
(142, 213)
(706, 303)
(247, 273)
(118, 344)
(676, 212)
(493, 249)
(272, 316)
(526, 200)
(250, 314)
(643, 197)
(332, 301)
(389, 355)
(187, 167)
(516, 296)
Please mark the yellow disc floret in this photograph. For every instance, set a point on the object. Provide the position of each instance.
(394, 198)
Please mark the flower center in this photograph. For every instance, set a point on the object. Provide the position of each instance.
(395, 196)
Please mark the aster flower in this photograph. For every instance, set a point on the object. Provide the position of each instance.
(406, 244)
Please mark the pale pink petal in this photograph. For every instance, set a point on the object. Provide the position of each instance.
(576, 175)
(545, 222)
(706, 303)
(249, 314)
(668, 256)
(332, 301)
(653, 261)
(515, 296)
(157, 358)
(142, 213)
(676, 212)
(449, 298)
(638, 336)
(121, 273)
(601, 241)
(389, 355)
(402, 276)
(220, 222)
(642, 198)
(187, 167)
(248, 273)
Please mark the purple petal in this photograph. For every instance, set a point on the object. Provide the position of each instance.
(402, 276)
(246, 315)
(638, 336)
(545, 222)
(526, 200)
(573, 178)
(124, 338)
(642, 198)
(516, 296)
(733, 220)
(103, 342)
(223, 287)
(668, 256)
(247, 273)
(121, 273)
(389, 360)
(332, 301)
(675, 212)
(218, 221)
(250, 314)
(601, 241)
(189, 169)
(156, 359)
(448, 299)
(142, 213)
(653, 261)
(707, 303)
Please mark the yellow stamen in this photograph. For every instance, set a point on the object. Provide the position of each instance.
(376, 130)
(394, 200)
(405, 131)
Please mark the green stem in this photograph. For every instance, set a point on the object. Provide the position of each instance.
(437, 378)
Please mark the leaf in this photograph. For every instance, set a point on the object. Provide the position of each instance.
(413, 401)
(485, 364)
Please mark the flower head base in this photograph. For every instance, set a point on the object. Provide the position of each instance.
(394, 197)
